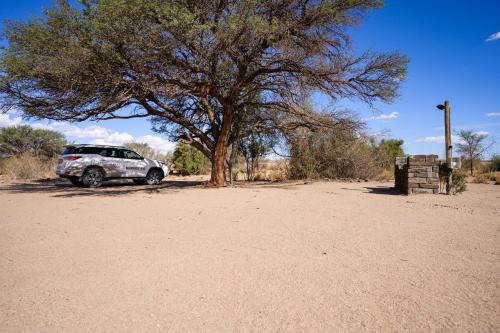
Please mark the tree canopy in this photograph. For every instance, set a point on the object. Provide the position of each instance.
(17, 140)
(197, 66)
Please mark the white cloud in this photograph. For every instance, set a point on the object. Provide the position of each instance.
(157, 143)
(93, 134)
(493, 114)
(493, 37)
(440, 139)
(385, 116)
(9, 119)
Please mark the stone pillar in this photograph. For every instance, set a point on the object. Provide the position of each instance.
(417, 174)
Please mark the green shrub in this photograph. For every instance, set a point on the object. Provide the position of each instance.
(24, 139)
(458, 183)
(190, 161)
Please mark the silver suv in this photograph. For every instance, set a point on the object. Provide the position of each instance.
(90, 165)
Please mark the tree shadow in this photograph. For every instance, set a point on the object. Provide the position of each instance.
(64, 189)
(383, 190)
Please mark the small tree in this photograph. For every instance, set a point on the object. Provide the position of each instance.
(472, 146)
(253, 148)
(18, 140)
(189, 161)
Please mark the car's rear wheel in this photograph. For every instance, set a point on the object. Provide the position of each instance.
(92, 177)
(76, 181)
(154, 177)
(140, 181)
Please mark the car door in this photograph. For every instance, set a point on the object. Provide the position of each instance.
(135, 165)
(112, 163)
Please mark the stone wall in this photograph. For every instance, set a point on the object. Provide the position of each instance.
(417, 174)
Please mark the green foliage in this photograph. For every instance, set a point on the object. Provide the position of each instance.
(18, 140)
(458, 183)
(189, 161)
(390, 149)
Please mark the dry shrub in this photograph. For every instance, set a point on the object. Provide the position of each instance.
(481, 179)
(272, 171)
(28, 166)
(385, 175)
(333, 155)
(494, 176)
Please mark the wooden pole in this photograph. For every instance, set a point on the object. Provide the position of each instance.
(448, 144)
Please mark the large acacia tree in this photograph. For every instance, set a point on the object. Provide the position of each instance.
(197, 66)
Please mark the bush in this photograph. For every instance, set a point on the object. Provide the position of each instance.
(342, 154)
(28, 166)
(458, 183)
(190, 161)
(481, 179)
(24, 139)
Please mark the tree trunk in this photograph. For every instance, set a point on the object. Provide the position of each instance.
(219, 153)
(218, 176)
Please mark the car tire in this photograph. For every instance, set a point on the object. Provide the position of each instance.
(92, 177)
(76, 181)
(154, 177)
(141, 181)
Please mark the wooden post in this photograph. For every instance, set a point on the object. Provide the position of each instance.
(449, 147)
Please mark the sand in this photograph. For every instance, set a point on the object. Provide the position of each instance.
(318, 257)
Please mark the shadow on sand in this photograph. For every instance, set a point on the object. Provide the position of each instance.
(64, 189)
(383, 190)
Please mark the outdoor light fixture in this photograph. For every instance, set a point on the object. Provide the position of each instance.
(440, 106)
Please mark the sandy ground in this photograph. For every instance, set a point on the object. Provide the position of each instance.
(319, 257)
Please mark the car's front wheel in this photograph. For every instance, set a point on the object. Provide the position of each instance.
(154, 177)
(93, 177)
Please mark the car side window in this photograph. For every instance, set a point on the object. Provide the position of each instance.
(112, 152)
(129, 154)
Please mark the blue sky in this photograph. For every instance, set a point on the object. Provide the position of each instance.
(450, 58)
